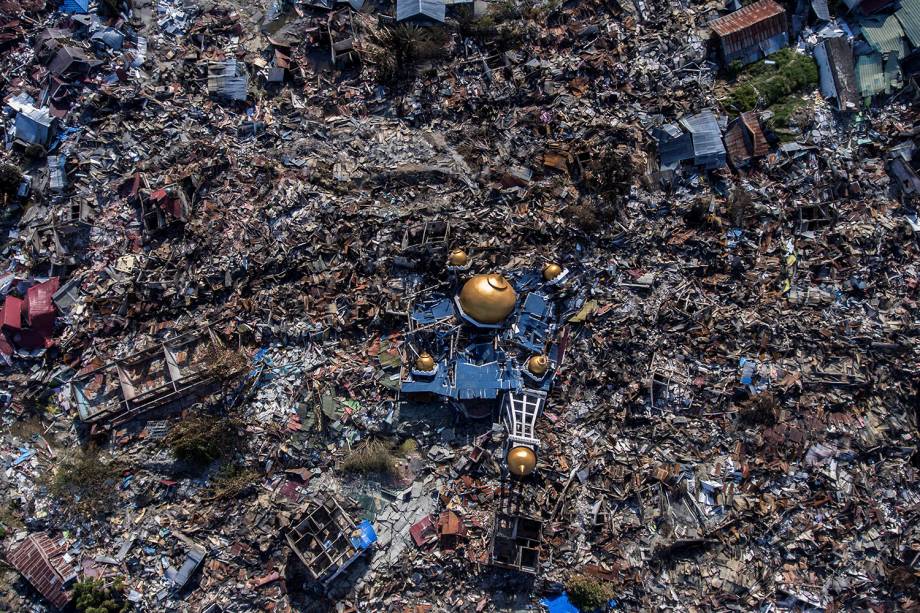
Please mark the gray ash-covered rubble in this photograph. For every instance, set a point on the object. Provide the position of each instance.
(229, 276)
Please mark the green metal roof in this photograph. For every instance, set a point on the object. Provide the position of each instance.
(884, 34)
(875, 75)
(909, 17)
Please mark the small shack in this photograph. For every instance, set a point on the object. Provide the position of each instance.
(752, 32)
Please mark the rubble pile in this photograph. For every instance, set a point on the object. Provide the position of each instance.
(235, 237)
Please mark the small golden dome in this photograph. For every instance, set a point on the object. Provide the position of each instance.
(538, 365)
(488, 299)
(424, 362)
(521, 461)
(458, 257)
(551, 271)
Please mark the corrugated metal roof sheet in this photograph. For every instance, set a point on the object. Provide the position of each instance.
(33, 125)
(40, 560)
(821, 9)
(759, 146)
(704, 130)
(229, 79)
(870, 76)
(674, 146)
(875, 76)
(746, 17)
(40, 116)
(838, 79)
(909, 17)
(884, 34)
(433, 9)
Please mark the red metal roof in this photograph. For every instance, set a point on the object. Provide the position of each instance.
(12, 313)
(39, 559)
(760, 146)
(40, 306)
(745, 140)
(423, 531)
(746, 17)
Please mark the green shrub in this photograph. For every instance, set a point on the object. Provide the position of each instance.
(743, 98)
(734, 69)
(232, 481)
(96, 596)
(374, 457)
(10, 178)
(588, 594)
(787, 73)
(785, 110)
(200, 440)
(86, 483)
(774, 89)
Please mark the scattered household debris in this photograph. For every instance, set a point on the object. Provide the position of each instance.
(463, 306)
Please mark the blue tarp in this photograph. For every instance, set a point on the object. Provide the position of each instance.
(25, 455)
(559, 604)
(367, 536)
(562, 604)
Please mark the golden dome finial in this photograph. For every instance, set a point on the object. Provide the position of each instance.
(487, 299)
(521, 461)
(538, 365)
(458, 258)
(551, 271)
(425, 362)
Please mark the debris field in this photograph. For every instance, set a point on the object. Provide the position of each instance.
(444, 305)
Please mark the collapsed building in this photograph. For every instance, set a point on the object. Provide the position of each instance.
(167, 376)
(719, 389)
(327, 540)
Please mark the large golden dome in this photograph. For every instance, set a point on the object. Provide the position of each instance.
(488, 299)
(521, 461)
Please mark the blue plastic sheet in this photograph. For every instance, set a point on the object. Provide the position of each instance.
(366, 536)
(559, 604)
